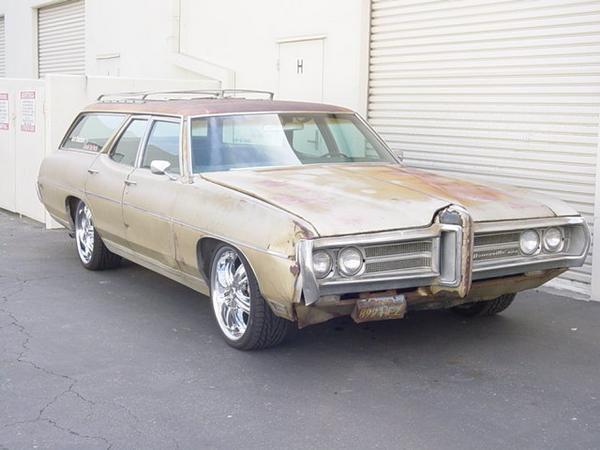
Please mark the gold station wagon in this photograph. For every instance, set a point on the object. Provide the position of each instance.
(288, 214)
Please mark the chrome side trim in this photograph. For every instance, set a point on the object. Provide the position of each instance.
(69, 189)
(196, 283)
(102, 197)
(234, 242)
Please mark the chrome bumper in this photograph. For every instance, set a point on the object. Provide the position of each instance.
(452, 264)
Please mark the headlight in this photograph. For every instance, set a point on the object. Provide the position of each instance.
(553, 239)
(350, 261)
(529, 242)
(321, 264)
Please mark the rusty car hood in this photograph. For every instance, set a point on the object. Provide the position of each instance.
(340, 199)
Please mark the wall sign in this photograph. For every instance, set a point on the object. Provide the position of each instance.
(28, 111)
(4, 116)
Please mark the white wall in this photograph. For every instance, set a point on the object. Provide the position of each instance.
(20, 46)
(141, 32)
(141, 38)
(113, 28)
(21, 151)
(243, 36)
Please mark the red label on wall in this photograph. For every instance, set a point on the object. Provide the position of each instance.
(28, 111)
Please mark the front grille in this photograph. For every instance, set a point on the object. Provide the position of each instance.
(401, 248)
(402, 264)
(496, 239)
(494, 246)
(397, 257)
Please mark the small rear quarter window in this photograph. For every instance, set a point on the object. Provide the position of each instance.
(92, 131)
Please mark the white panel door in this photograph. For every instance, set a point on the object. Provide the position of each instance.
(61, 38)
(301, 70)
(501, 91)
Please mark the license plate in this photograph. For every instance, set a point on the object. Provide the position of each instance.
(379, 308)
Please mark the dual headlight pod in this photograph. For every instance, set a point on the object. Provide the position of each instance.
(349, 262)
(532, 241)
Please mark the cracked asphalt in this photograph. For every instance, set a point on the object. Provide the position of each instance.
(128, 359)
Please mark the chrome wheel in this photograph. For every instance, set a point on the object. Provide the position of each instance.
(84, 233)
(230, 292)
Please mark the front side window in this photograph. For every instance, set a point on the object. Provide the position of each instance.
(92, 131)
(126, 149)
(163, 144)
(259, 140)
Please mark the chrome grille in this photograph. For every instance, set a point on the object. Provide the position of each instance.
(398, 257)
(400, 248)
(385, 266)
(497, 238)
(492, 246)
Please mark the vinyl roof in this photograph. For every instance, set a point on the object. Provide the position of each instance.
(193, 107)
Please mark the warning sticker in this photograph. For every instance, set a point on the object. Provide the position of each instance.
(28, 111)
(4, 116)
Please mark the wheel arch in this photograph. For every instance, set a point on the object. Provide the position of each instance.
(71, 202)
(205, 249)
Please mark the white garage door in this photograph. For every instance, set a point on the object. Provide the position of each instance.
(61, 38)
(508, 91)
(2, 48)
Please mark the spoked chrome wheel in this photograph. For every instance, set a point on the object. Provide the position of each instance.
(230, 293)
(84, 233)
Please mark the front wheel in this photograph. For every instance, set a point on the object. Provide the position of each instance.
(92, 252)
(244, 317)
(485, 308)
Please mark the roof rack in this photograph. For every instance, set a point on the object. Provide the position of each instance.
(140, 97)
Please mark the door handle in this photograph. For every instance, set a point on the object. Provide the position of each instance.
(130, 182)
(93, 171)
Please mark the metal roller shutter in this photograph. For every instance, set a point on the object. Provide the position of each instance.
(2, 48)
(506, 91)
(61, 38)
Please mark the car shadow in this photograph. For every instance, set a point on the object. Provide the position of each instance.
(439, 332)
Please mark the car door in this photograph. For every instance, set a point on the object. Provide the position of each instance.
(149, 198)
(107, 177)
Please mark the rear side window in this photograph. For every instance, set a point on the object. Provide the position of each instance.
(92, 131)
(126, 148)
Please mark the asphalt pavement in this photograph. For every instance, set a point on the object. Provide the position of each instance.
(127, 359)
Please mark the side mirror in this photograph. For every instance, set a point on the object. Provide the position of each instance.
(159, 167)
(398, 154)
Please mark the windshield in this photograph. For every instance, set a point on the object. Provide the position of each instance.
(259, 140)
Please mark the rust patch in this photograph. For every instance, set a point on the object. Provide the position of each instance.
(302, 232)
(295, 270)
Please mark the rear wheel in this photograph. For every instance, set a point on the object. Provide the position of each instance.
(244, 317)
(92, 252)
(485, 308)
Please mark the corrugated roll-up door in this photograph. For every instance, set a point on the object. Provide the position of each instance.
(506, 91)
(61, 38)
(2, 48)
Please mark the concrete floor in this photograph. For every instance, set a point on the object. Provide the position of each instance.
(128, 359)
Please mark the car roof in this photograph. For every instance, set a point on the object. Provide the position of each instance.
(210, 106)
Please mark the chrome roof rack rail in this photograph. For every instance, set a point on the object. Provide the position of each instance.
(140, 97)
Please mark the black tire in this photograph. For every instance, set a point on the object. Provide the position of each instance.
(101, 258)
(485, 308)
(264, 329)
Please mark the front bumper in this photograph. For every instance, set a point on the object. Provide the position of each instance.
(453, 265)
(423, 298)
